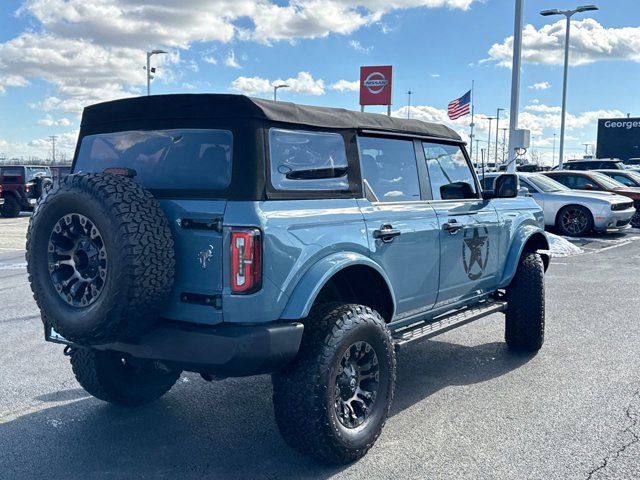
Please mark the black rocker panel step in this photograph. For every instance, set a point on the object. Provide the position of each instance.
(444, 323)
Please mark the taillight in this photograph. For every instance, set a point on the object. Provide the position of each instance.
(246, 260)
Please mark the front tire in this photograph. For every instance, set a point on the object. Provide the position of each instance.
(333, 400)
(574, 221)
(114, 378)
(525, 316)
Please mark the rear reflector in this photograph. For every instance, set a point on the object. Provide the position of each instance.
(246, 260)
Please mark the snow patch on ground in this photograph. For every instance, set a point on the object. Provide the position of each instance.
(561, 247)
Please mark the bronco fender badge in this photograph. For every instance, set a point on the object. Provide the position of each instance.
(205, 257)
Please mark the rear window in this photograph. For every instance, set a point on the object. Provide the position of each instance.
(11, 171)
(163, 159)
(302, 160)
(33, 172)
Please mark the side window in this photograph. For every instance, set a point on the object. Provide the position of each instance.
(527, 185)
(571, 166)
(449, 173)
(564, 180)
(389, 168)
(579, 181)
(623, 180)
(303, 160)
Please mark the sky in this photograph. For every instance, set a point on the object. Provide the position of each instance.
(56, 56)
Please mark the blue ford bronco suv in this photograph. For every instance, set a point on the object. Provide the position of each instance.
(233, 236)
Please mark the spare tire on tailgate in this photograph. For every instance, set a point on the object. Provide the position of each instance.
(100, 258)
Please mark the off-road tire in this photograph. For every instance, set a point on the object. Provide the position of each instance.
(11, 207)
(525, 315)
(587, 228)
(303, 393)
(112, 378)
(41, 185)
(139, 254)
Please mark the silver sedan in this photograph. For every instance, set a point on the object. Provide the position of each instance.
(574, 212)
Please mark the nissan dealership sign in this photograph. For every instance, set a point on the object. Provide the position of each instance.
(375, 85)
(618, 138)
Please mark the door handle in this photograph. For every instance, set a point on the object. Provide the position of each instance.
(452, 226)
(386, 233)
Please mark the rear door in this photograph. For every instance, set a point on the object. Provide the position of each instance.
(402, 227)
(183, 168)
(469, 229)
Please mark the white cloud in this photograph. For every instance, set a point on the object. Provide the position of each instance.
(540, 86)
(358, 47)
(303, 83)
(590, 42)
(345, 86)
(49, 121)
(540, 108)
(231, 61)
(435, 75)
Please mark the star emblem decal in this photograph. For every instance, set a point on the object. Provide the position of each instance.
(475, 251)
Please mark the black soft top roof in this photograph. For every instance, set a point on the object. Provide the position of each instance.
(203, 107)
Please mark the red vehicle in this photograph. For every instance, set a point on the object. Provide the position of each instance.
(597, 181)
(22, 185)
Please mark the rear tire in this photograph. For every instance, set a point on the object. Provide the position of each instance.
(113, 378)
(525, 316)
(332, 401)
(11, 207)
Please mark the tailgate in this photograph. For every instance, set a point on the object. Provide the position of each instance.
(196, 226)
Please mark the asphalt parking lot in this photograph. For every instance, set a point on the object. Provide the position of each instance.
(465, 407)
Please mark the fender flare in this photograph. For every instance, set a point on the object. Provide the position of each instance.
(316, 277)
(524, 234)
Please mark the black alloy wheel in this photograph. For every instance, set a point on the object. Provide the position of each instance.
(77, 260)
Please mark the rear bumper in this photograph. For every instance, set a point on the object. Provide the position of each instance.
(221, 350)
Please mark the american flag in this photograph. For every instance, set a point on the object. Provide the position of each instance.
(460, 106)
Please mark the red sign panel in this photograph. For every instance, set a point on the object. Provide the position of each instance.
(375, 85)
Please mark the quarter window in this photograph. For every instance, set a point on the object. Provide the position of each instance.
(449, 172)
(389, 169)
(303, 160)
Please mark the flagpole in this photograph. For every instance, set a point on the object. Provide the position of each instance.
(472, 123)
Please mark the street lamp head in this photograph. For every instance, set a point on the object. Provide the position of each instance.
(548, 13)
(586, 8)
(282, 85)
(157, 52)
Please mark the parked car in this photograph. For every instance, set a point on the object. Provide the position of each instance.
(629, 178)
(1, 198)
(233, 236)
(594, 164)
(599, 182)
(632, 162)
(574, 213)
(22, 186)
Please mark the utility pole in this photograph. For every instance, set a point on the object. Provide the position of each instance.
(53, 139)
(498, 131)
(477, 150)
(553, 158)
(409, 93)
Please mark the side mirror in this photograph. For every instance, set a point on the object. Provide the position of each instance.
(506, 186)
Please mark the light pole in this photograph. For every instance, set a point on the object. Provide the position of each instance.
(568, 14)
(489, 138)
(553, 158)
(151, 71)
(515, 84)
(409, 93)
(53, 139)
(498, 131)
(276, 88)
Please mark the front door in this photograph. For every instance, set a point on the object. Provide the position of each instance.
(402, 228)
(469, 229)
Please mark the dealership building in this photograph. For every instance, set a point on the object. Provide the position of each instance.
(618, 138)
